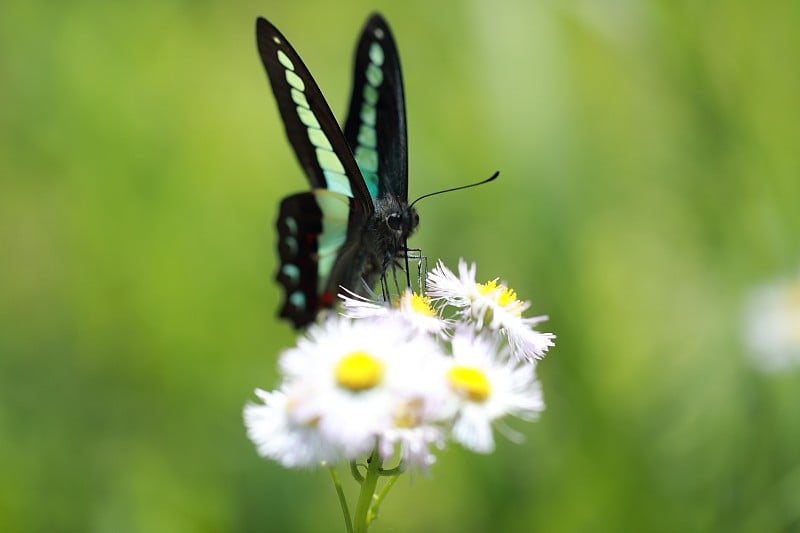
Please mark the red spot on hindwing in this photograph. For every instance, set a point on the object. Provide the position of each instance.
(326, 299)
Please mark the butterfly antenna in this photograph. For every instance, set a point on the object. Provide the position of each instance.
(482, 182)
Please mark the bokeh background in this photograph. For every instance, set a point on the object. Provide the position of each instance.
(650, 156)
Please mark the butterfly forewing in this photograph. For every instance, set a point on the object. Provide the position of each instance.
(376, 121)
(309, 122)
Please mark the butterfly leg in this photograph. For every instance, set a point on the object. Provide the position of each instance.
(389, 264)
(394, 275)
(385, 288)
(415, 255)
(422, 272)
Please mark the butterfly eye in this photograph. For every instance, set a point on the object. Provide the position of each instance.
(394, 221)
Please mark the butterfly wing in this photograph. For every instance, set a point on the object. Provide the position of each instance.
(310, 125)
(315, 253)
(376, 121)
(318, 231)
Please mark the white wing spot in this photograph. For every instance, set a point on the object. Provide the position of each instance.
(284, 60)
(299, 98)
(291, 244)
(276, 39)
(318, 139)
(292, 272)
(298, 300)
(337, 182)
(307, 117)
(376, 54)
(328, 160)
(378, 33)
(294, 80)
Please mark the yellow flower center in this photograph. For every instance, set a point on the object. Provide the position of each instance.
(507, 297)
(420, 304)
(470, 383)
(793, 295)
(291, 406)
(485, 289)
(359, 371)
(408, 413)
(792, 309)
(504, 296)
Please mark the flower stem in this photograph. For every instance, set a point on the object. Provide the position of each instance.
(342, 500)
(382, 494)
(362, 517)
(355, 473)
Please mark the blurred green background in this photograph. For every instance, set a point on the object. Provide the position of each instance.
(649, 155)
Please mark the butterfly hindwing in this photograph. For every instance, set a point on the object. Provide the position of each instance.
(376, 121)
(299, 226)
(313, 232)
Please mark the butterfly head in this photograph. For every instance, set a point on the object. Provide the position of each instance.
(403, 222)
(395, 221)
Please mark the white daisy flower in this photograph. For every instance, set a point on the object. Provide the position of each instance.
(348, 377)
(414, 445)
(280, 437)
(357, 306)
(772, 316)
(458, 291)
(486, 385)
(413, 431)
(424, 406)
(491, 305)
(416, 310)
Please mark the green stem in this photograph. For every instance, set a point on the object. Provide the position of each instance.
(342, 500)
(355, 473)
(362, 517)
(381, 495)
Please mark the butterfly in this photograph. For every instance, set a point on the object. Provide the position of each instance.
(355, 221)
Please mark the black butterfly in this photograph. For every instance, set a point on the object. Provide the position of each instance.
(354, 223)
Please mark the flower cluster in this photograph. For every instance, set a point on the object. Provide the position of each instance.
(402, 378)
(772, 325)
